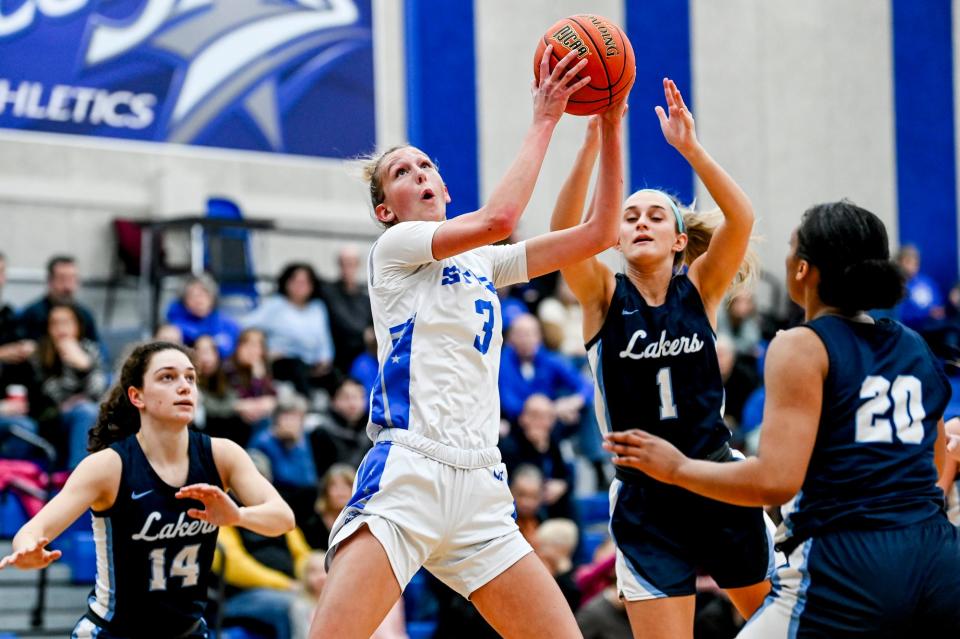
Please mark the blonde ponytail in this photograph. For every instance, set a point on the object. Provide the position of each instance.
(370, 173)
(700, 227)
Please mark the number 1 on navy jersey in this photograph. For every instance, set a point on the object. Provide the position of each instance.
(668, 410)
(484, 307)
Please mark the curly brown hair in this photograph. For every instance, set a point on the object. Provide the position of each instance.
(119, 418)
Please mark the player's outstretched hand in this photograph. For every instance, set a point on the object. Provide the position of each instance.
(639, 449)
(677, 121)
(33, 557)
(218, 508)
(555, 88)
(953, 438)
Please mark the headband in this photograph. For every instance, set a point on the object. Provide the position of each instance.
(673, 205)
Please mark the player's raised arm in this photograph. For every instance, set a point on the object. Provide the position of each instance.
(714, 270)
(589, 279)
(568, 210)
(405, 184)
(497, 219)
(573, 249)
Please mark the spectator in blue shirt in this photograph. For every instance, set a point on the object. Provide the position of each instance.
(365, 367)
(510, 307)
(196, 314)
(297, 327)
(923, 306)
(283, 449)
(527, 367)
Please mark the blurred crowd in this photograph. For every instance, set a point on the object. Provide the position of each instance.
(290, 381)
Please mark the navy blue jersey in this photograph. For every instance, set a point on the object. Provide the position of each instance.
(872, 463)
(656, 369)
(153, 560)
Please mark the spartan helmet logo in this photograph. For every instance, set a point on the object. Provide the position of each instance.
(230, 53)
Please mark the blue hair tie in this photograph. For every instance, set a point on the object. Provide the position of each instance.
(673, 205)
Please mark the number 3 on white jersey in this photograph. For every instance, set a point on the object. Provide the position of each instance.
(908, 412)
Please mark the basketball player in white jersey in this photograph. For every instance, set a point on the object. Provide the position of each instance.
(432, 492)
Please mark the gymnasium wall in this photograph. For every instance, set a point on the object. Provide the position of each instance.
(801, 101)
(58, 193)
(796, 100)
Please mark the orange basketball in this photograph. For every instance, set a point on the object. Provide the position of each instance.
(610, 61)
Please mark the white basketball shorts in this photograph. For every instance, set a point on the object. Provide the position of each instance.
(432, 505)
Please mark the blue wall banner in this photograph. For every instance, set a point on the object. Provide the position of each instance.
(287, 76)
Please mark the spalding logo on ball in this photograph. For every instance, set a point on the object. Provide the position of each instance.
(610, 62)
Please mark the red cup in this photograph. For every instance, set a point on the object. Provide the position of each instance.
(17, 395)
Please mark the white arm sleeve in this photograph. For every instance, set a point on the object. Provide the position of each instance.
(400, 250)
(509, 263)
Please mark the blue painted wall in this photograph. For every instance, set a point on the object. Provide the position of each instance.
(442, 93)
(660, 33)
(925, 136)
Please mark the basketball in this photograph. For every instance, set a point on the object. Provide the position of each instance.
(610, 60)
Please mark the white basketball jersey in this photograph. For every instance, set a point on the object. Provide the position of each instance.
(439, 334)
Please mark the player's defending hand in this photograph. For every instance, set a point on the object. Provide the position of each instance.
(615, 114)
(677, 122)
(32, 557)
(218, 508)
(555, 88)
(591, 141)
(638, 449)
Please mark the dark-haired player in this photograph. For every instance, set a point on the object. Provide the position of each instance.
(852, 428)
(157, 494)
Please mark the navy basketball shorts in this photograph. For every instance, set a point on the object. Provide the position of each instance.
(893, 583)
(666, 535)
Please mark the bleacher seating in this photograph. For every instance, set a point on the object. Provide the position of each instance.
(12, 515)
(421, 629)
(80, 554)
(238, 632)
(953, 408)
(593, 509)
(64, 601)
(418, 601)
(589, 542)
